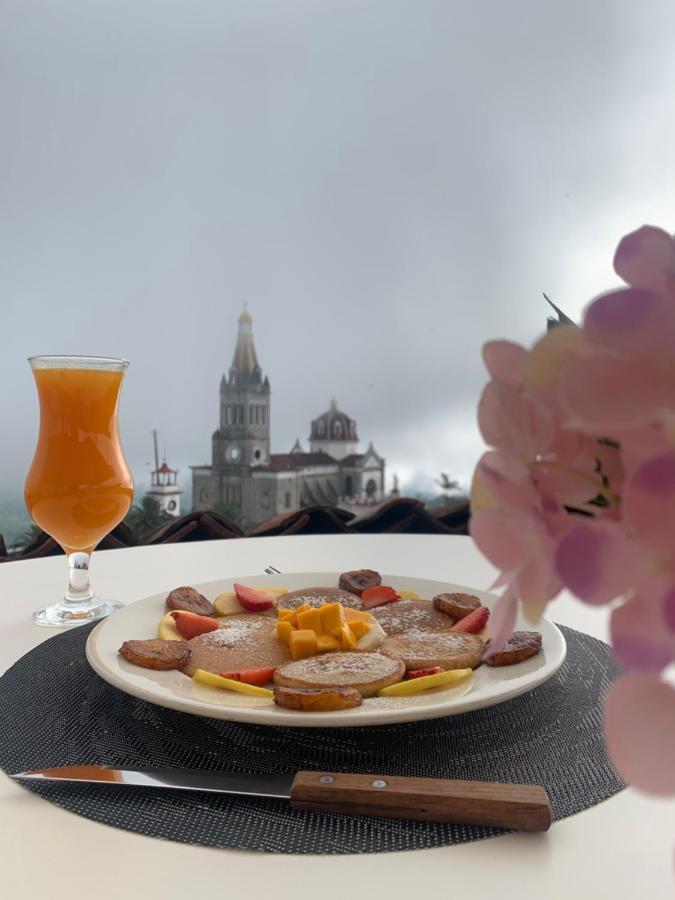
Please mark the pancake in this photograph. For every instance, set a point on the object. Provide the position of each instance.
(247, 641)
(366, 672)
(315, 596)
(411, 617)
(449, 650)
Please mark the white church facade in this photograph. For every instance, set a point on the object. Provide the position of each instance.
(246, 478)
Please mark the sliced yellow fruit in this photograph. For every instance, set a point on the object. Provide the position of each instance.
(358, 628)
(310, 619)
(326, 642)
(284, 632)
(228, 684)
(167, 631)
(348, 638)
(425, 683)
(357, 615)
(303, 643)
(373, 637)
(289, 614)
(332, 617)
(407, 595)
(226, 604)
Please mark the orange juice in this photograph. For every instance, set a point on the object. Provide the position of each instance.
(79, 485)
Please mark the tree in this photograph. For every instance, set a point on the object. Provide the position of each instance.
(146, 516)
(28, 537)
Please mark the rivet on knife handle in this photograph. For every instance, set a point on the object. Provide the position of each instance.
(524, 807)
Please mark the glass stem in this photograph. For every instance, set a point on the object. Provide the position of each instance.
(79, 590)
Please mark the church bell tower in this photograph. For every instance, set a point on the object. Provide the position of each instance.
(243, 438)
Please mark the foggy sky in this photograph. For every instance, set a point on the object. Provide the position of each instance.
(386, 185)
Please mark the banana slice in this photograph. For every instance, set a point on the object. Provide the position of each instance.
(407, 595)
(372, 638)
(167, 631)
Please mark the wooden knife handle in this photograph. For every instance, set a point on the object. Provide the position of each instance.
(525, 807)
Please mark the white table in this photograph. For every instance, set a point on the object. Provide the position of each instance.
(620, 848)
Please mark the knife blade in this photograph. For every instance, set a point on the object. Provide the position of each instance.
(524, 807)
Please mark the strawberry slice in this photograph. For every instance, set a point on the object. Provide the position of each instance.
(379, 596)
(420, 673)
(254, 600)
(251, 676)
(474, 622)
(189, 626)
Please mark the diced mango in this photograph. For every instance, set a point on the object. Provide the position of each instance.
(358, 628)
(332, 616)
(286, 614)
(303, 608)
(326, 642)
(360, 615)
(303, 643)
(347, 637)
(284, 632)
(310, 619)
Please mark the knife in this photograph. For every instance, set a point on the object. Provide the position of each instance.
(525, 807)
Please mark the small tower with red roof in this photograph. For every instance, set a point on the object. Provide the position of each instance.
(164, 485)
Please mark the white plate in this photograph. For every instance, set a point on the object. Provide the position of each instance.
(486, 687)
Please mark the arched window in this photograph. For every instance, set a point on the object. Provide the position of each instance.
(287, 500)
(371, 489)
(241, 414)
(349, 486)
(337, 429)
(251, 413)
(264, 415)
(320, 429)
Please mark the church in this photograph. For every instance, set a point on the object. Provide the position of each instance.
(247, 479)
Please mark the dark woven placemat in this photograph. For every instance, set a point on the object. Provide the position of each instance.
(55, 711)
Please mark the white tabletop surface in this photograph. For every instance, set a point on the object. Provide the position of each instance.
(620, 848)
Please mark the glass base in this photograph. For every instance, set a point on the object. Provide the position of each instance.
(67, 614)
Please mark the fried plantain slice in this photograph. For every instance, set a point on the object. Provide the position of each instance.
(156, 654)
(190, 600)
(456, 605)
(317, 699)
(520, 646)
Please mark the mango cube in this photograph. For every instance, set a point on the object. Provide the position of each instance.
(326, 642)
(310, 619)
(284, 631)
(303, 608)
(332, 617)
(358, 628)
(357, 615)
(286, 614)
(347, 637)
(303, 643)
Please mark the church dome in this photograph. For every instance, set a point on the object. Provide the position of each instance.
(333, 425)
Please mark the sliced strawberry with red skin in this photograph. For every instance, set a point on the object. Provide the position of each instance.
(254, 600)
(190, 626)
(474, 623)
(379, 596)
(420, 673)
(251, 676)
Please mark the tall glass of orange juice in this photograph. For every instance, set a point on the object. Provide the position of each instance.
(79, 485)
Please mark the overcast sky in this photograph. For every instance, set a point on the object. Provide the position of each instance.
(386, 184)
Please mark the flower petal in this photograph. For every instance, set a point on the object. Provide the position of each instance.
(646, 259)
(602, 395)
(595, 561)
(499, 536)
(634, 323)
(649, 503)
(638, 637)
(548, 357)
(513, 423)
(502, 622)
(640, 730)
(504, 361)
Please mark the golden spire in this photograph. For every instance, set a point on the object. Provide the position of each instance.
(245, 359)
